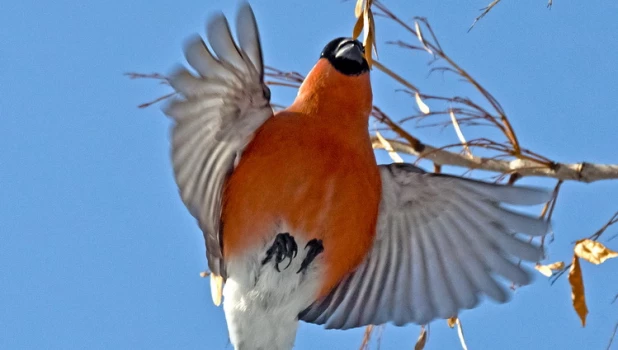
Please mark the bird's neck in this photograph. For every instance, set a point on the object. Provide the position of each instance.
(334, 98)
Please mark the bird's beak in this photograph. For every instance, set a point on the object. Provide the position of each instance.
(351, 50)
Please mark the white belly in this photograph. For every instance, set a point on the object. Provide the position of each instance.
(262, 305)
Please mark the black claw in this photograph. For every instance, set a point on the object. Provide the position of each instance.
(284, 247)
(315, 248)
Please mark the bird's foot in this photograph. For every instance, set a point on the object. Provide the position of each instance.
(315, 248)
(283, 247)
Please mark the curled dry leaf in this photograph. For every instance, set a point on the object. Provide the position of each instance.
(548, 270)
(421, 105)
(422, 339)
(577, 290)
(593, 251)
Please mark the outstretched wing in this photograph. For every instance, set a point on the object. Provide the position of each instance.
(441, 242)
(216, 113)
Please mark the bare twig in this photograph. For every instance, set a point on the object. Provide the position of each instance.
(156, 76)
(485, 11)
(366, 337)
(159, 99)
(532, 165)
(294, 79)
(595, 236)
(611, 339)
(395, 76)
(614, 219)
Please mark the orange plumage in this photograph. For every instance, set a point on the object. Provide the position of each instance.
(311, 166)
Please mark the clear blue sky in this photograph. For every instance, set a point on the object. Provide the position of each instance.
(97, 250)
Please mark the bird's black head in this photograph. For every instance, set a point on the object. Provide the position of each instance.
(346, 55)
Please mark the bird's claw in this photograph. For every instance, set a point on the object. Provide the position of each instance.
(315, 248)
(284, 247)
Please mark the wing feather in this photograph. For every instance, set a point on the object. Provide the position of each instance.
(441, 242)
(215, 114)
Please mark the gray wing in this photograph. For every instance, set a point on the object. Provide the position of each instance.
(441, 242)
(216, 113)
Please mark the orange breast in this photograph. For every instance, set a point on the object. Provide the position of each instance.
(321, 183)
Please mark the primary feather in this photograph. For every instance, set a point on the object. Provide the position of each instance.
(441, 241)
(216, 114)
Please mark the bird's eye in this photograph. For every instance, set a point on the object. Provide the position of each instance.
(266, 92)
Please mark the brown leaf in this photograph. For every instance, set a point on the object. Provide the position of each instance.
(451, 321)
(577, 290)
(422, 339)
(368, 38)
(547, 270)
(358, 10)
(372, 27)
(358, 27)
(593, 251)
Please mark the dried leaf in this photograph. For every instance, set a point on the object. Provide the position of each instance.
(451, 321)
(421, 105)
(422, 339)
(577, 290)
(368, 38)
(372, 28)
(593, 251)
(216, 288)
(420, 37)
(358, 28)
(544, 270)
(387, 146)
(460, 135)
(547, 270)
(358, 10)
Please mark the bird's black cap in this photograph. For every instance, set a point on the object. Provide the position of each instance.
(346, 55)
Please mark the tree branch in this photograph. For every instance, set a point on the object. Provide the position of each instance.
(582, 172)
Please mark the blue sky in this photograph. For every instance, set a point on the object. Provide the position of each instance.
(97, 250)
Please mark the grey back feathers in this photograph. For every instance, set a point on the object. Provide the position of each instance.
(216, 111)
(441, 241)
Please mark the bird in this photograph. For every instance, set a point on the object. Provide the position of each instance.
(301, 223)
